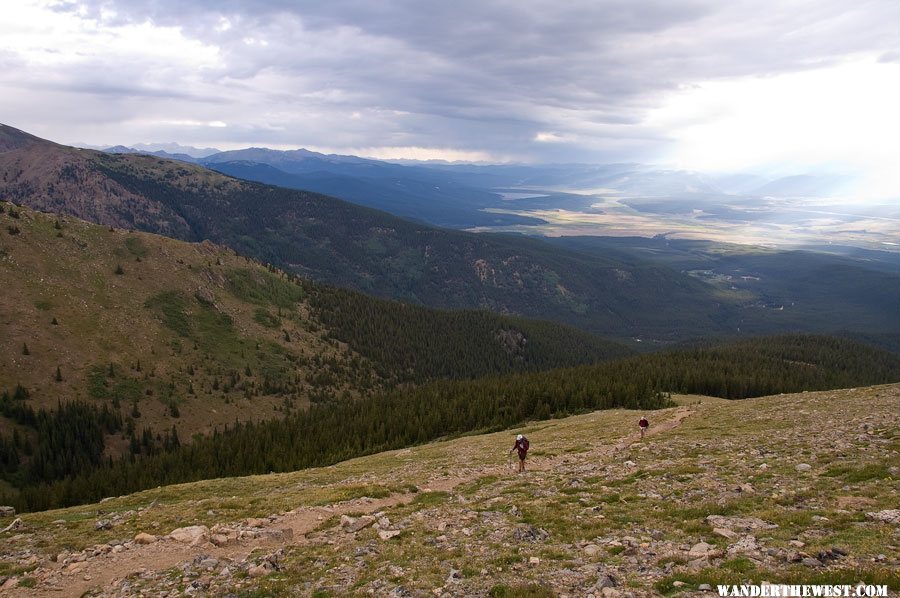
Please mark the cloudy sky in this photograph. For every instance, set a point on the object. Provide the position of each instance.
(706, 84)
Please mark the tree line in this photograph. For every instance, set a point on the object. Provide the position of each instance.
(332, 432)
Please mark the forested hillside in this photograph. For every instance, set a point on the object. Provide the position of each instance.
(330, 433)
(125, 343)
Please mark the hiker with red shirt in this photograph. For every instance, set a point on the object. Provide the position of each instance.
(643, 424)
(521, 446)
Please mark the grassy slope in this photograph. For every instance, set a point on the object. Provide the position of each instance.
(183, 323)
(147, 318)
(628, 511)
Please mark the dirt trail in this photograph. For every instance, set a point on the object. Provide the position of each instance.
(678, 415)
(97, 573)
(100, 572)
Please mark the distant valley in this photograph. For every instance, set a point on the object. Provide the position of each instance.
(786, 212)
(650, 298)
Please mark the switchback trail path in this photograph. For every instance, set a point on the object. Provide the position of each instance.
(104, 573)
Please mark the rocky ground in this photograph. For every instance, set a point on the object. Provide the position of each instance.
(792, 488)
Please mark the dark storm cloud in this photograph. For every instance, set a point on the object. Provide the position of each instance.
(492, 75)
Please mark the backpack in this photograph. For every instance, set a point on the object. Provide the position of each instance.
(524, 443)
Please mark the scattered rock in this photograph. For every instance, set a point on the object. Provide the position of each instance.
(144, 538)
(891, 516)
(811, 562)
(700, 549)
(529, 533)
(16, 525)
(103, 524)
(455, 576)
(193, 535)
(739, 523)
(257, 571)
(744, 545)
(206, 562)
(7, 512)
(704, 587)
(205, 296)
(800, 467)
(361, 523)
(387, 534)
(606, 581)
(797, 543)
(591, 550)
(725, 533)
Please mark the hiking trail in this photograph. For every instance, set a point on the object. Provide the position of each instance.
(102, 573)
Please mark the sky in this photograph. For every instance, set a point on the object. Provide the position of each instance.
(784, 85)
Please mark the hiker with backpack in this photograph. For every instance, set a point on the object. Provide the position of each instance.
(521, 446)
(643, 424)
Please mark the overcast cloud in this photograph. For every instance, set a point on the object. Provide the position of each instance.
(587, 81)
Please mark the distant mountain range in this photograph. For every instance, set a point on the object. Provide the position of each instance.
(344, 244)
(352, 246)
(465, 195)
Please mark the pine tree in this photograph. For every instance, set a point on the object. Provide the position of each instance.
(25, 350)
(59, 377)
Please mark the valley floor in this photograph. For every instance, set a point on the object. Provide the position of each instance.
(792, 488)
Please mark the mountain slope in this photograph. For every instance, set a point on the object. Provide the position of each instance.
(405, 416)
(157, 326)
(599, 512)
(440, 203)
(344, 244)
(795, 290)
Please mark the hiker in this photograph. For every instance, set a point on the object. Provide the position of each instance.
(521, 446)
(643, 424)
